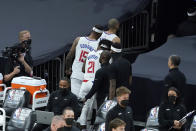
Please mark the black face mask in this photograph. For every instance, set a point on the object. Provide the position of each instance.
(69, 121)
(63, 90)
(124, 103)
(171, 99)
(27, 42)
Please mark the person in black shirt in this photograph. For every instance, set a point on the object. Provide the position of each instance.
(121, 110)
(59, 100)
(63, 98)
(68, 115)
(120, 69)
(171, 111)
(24, 64)
(101, 81)
(175, 77)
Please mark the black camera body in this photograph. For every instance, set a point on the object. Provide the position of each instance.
(15, 51)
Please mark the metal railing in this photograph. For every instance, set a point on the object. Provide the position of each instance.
(134, 32)
(51, 71)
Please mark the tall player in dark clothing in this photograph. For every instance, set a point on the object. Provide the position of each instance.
(120, 70)
(175, 77)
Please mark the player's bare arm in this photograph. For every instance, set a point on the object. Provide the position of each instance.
(70, 56)
(116, 40)
(112, 89)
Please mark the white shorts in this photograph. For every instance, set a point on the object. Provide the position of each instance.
(85, 88)
(75, 86)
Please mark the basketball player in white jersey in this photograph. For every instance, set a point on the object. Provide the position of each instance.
(90, 67)
(110, 34)
(77, 56)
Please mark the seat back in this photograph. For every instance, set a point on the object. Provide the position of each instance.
(21, 120)
(152, 123)
(152, 120)
(2, 118)
(102, 112)
(3, 88)
(14, 99)
(193, 124)
(101, 127)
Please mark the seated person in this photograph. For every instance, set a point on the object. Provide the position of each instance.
(122, 110)
(117, 125)
(171, 111)
(57, 123)
(68, 115)
(62, 98)
(59, 100)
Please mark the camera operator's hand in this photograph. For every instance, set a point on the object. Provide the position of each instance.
(28, 69)
(21, 58)
(8, 77)
(16, 70)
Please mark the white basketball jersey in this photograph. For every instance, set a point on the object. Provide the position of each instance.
(92, 64)
(83, 47)
(107, 36)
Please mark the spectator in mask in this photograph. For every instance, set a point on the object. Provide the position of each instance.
(117, 125)
(121, 110)
(171, 111)
(63, 98)
(59, 100)
(68, 115)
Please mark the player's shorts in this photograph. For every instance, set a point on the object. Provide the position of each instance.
(85, 88)
(75, 86)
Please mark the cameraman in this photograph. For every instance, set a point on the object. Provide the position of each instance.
(23, 65)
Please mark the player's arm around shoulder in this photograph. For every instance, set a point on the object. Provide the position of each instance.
(116, 40)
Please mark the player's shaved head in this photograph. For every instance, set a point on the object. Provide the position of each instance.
(113, 23)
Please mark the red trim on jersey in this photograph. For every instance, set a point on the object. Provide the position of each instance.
(85, 80)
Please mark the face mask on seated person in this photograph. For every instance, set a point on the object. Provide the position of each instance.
(124, 103)
(63, 90)
(171, 99)
(69, 121)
